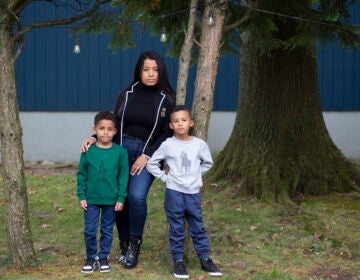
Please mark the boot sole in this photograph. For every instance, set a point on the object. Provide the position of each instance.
(129, 267)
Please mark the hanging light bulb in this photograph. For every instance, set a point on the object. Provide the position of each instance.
(163, 36)
(77, 46)
(211, 18)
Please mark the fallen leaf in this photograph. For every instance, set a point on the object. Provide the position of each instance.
(318, 235)
(275, 236)
(46, 225)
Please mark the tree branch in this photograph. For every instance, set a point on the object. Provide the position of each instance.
(237, 23)
(19, 49)
(15, 7)
(66, 21)
(197, 43)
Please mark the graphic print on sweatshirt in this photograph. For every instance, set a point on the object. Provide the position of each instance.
(185, 163)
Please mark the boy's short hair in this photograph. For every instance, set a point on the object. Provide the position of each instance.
(181, 107)
(105, 115)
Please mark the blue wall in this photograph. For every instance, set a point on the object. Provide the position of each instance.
(50, 77)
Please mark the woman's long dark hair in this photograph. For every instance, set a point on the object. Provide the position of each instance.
(163, 81)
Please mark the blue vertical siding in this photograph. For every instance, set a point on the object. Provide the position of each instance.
(50, 77)
(339, 74)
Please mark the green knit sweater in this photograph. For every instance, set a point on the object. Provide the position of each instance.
(102, 175)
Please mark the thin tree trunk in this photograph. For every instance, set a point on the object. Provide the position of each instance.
(185, 55)
(207, 66)
(279, 144)
(17, 219)
(184, 63)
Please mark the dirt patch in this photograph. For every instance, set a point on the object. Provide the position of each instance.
(332, 273)
(44, 168)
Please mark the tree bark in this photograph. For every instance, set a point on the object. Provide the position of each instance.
(17, 219)
(279, 144)
(210, 44)
(185, 55)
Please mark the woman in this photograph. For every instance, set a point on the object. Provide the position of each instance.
(143, 110)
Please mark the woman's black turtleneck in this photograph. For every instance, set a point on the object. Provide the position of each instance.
(140, 115)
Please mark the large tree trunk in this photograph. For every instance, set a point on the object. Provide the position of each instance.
(279, 144)
(185, 55)
(17, 219)
(207, 66)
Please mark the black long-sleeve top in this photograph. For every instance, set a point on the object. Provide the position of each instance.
(144, 112)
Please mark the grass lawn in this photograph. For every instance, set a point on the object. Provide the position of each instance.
(316, 238)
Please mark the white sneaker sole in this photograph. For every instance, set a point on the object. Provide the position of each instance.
(181, 276)
(87, 271)
(215, 273)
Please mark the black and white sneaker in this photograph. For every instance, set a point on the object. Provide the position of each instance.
(89, 266)
(208, 266)
(104, 265)
(180, 269)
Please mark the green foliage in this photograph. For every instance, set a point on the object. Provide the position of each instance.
(249, 239)
(287, 25)
(277, 24)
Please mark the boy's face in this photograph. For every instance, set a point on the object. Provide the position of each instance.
(181, 122)
(105, 131)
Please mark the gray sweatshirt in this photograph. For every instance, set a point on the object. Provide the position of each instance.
(187, 161)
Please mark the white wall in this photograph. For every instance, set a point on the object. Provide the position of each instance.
(57, 136)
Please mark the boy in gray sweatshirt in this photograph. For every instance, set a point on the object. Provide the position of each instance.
(188, 157)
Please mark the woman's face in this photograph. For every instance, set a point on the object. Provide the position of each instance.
(149, 72)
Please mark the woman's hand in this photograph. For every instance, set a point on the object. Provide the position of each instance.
(87, 143)
(139, 165)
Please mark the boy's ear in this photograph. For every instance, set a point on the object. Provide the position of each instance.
(191, 123)
(94, 130)
(170, 125)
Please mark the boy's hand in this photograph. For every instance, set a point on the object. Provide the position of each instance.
(83, 205)
(119, 206)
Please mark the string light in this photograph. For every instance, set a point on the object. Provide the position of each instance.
(163, 36)
(211, 18)
(77, 46)
(243, 4)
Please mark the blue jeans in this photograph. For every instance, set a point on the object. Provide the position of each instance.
(131, 220)
(91, 221)
(179, 206)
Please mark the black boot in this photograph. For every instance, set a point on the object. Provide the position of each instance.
(124, 244)
(133, 251)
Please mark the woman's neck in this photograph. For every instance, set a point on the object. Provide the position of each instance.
(150, 88)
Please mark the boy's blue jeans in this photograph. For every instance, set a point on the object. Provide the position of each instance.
(91, 220)
(131, 220)
(179, 206)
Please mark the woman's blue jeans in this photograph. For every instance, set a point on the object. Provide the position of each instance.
(131, 220)
(91, 221)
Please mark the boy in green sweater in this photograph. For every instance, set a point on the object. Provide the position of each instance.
(102, 179)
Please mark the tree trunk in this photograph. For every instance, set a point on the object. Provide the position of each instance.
(207, 66)
(185, 55)
(17, 219)
(279, 144)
